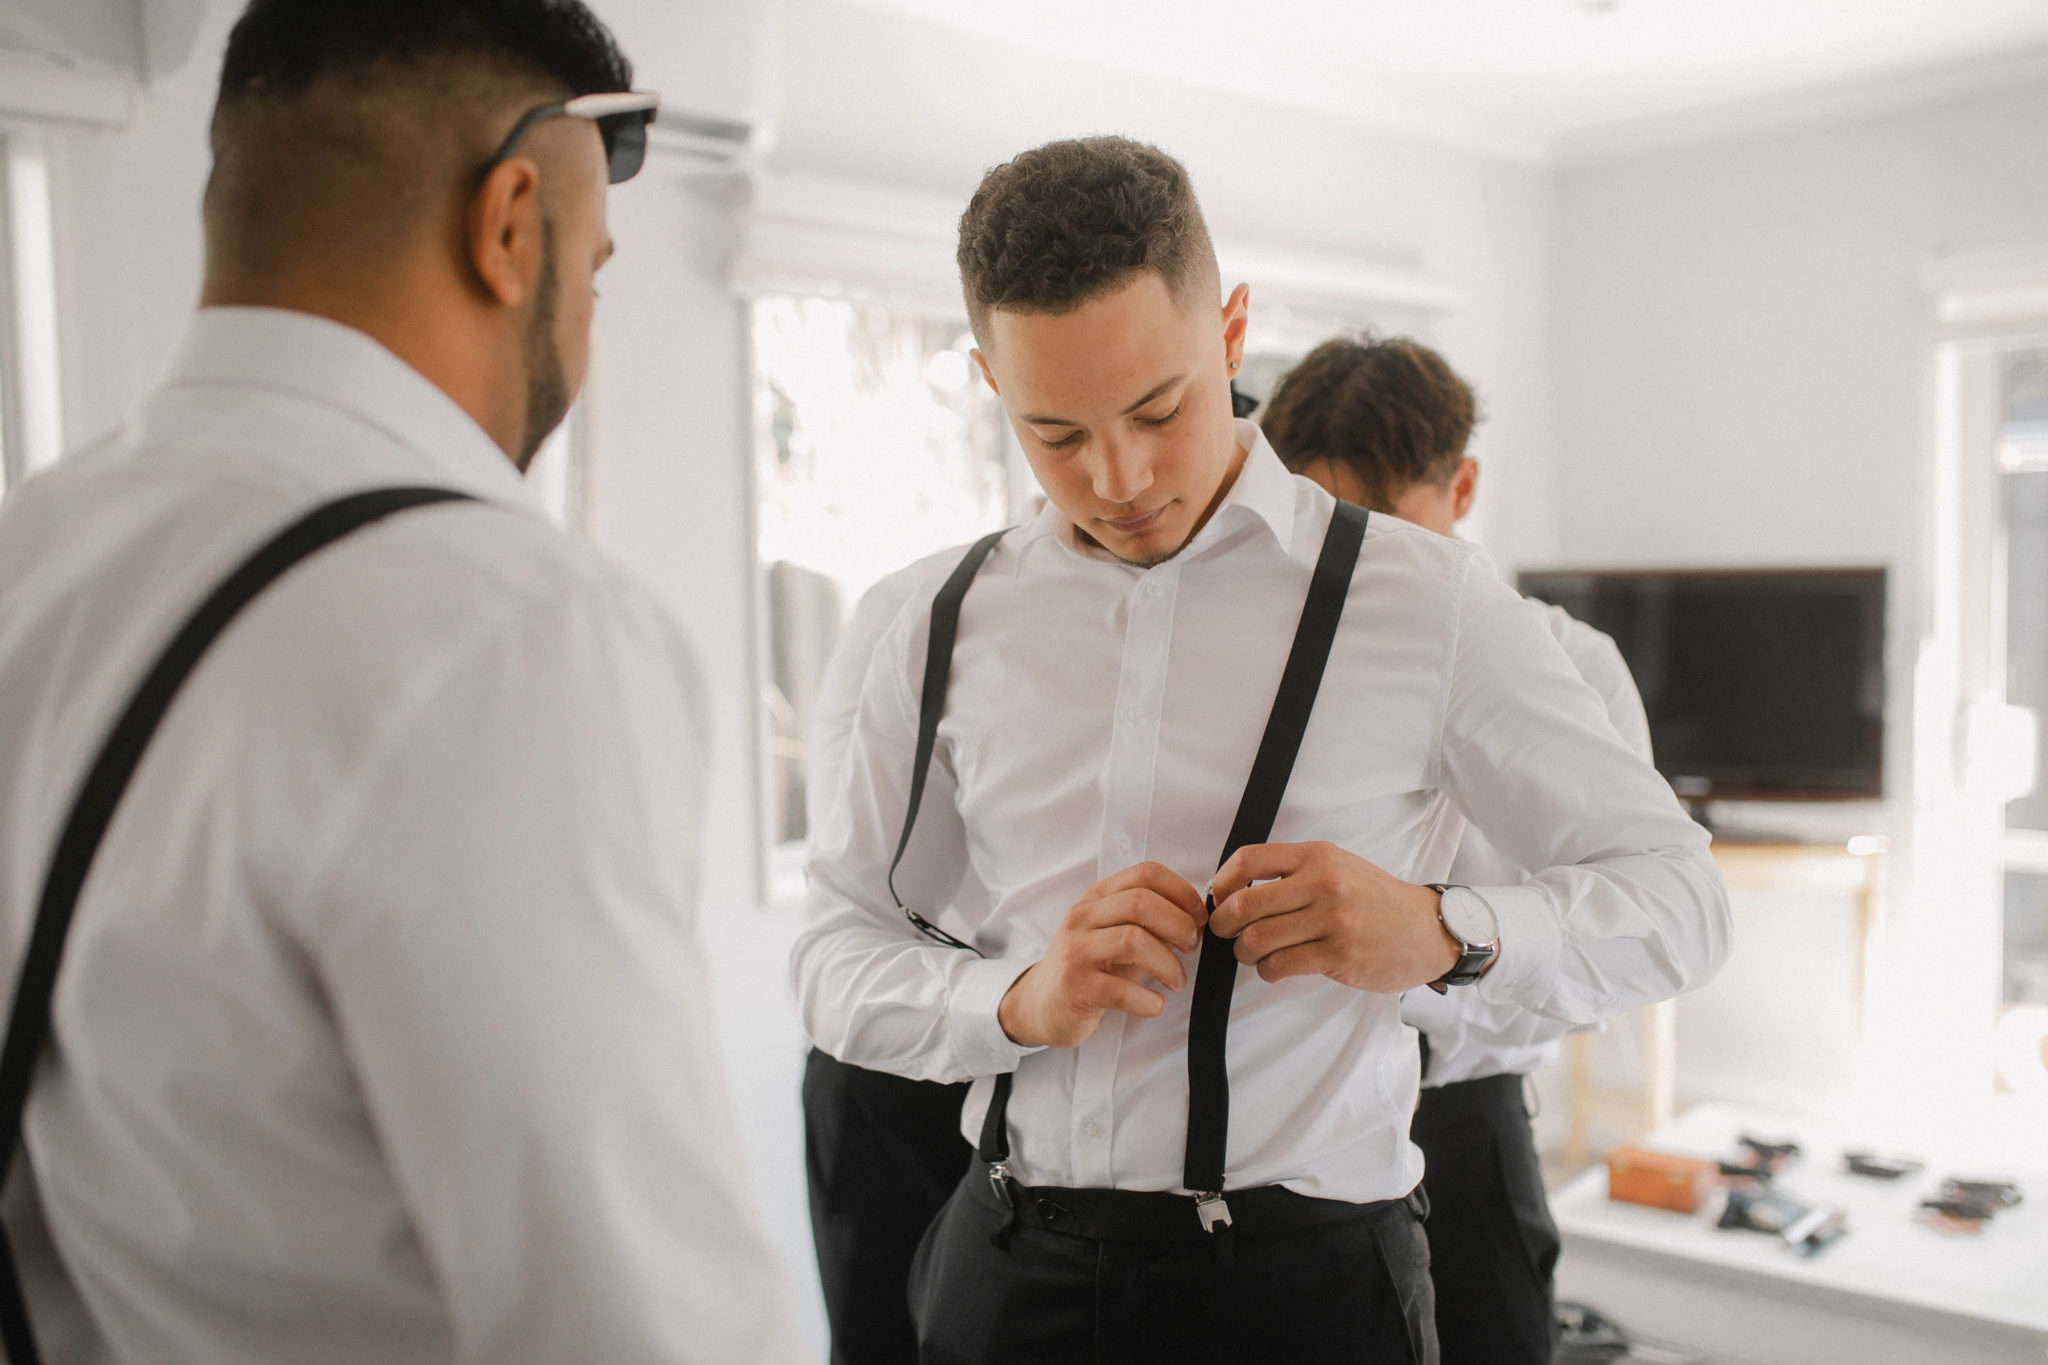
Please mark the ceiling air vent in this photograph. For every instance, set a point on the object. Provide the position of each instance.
(704, 137)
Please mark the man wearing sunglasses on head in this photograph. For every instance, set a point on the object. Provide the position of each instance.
(379, 1033)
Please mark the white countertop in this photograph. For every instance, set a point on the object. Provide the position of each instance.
(1998, 1275)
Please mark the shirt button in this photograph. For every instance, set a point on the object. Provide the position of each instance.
(1135, 714)
(1153, 589)
(1092, 1128)
(1122, 845)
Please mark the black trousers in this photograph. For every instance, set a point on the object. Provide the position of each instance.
(1355, 1292)
(882, 1154)
(1492, 1244)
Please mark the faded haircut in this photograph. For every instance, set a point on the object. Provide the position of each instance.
(1066, 223)
(352, 120)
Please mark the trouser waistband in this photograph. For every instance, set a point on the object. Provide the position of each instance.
(1486, 1100)
(1157, 1216)
(1481, 1090)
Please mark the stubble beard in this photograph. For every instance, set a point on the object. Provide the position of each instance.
(547, 387)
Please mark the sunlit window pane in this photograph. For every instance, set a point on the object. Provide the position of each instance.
(2024, 452)
(9, 439)
(876, 442)
(2026, 595)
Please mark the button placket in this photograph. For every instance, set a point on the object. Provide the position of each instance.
(1093, 1115)
(1134, 720)
(1126, 821)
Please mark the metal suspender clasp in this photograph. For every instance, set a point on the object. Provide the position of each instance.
(1209, 1206)
(1005, 1187)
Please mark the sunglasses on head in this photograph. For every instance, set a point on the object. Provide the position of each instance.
(621, 118)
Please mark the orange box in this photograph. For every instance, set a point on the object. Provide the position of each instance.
(1659, 1179)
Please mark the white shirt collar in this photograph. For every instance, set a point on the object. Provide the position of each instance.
(325, 362)
(1263, 490)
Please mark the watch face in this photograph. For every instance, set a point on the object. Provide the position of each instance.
(1466, 914)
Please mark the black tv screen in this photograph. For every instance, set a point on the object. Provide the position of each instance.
(1760, 685)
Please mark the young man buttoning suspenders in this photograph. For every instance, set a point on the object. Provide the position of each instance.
(1192, 1110)
(1383, 422)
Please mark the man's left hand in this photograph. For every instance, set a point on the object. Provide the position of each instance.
(1319, 910)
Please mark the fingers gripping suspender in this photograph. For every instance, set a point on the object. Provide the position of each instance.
(1216, 974)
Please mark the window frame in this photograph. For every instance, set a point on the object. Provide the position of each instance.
(2021, 849)
(1963, 725)
(13, 464)
(31, 388)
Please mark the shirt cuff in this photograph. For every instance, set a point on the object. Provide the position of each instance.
(979, 1043)
(1531, 944)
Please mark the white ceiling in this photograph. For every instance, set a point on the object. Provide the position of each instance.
(1519, 77)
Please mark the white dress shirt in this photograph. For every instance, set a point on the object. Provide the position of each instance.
(382, 1037)
(1102, 715)
(838, 697)
(1471, 1037)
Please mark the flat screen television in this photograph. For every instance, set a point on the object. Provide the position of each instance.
(1759, 684)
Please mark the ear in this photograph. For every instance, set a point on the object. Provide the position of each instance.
(502, 237)
(1236, 318)
(986, 372)
(1464, 485)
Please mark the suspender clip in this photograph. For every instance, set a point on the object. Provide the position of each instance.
(1006, 1190)
(1211, 1209)
(1005, 1187)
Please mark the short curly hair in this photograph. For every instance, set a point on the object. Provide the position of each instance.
(1387, 407)
(1064, 224)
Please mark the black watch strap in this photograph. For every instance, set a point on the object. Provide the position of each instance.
(1472, 961)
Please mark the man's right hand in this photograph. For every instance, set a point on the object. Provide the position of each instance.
(1124, 929)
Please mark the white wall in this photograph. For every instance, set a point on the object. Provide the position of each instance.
(1745, 334)
(670, 497)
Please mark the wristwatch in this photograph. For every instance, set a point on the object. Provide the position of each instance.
(1467, 918)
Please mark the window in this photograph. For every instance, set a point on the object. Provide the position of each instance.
(1976, 935)
(2023, 465)
(10, 420)
(31, 423)
(875, 442)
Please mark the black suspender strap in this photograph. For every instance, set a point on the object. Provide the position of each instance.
(1216, 975)
(92, 811)
(931, 705)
